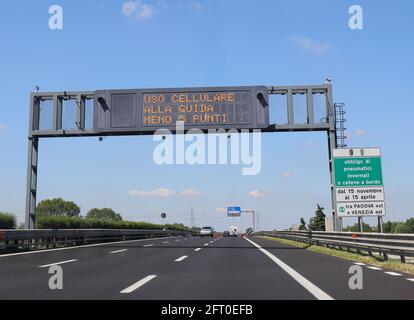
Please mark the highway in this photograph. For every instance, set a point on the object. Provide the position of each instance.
(194, 269)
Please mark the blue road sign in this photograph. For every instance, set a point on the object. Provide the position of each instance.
(234, 212)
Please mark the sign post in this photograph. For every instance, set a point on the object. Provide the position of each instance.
(359, 186)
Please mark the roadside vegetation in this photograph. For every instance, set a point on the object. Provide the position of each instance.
(317, 223)
(60, 214)
(388, 227)
(7, 220)
(377, 261)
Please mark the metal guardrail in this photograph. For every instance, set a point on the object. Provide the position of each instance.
(14, 240)
(385, 244)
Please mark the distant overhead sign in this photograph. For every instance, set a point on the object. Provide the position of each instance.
(234, 212)
(146, 110)
(359, 186)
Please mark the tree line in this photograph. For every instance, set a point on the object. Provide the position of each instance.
(317, 223)
(60, 214)
(60, 207)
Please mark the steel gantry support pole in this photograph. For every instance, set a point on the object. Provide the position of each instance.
(332, 144)
(32, 164)
(253, 215)
(31, 191)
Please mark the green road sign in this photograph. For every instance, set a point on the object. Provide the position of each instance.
(358, 172)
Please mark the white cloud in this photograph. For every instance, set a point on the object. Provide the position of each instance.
(158, 193)
(257, 194)
(360, 132)
(164, 193)
(196, 5)
(287, 174)
(190, 193)
(138, 10)
(309, 44)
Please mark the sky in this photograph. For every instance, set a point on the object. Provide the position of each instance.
(193, 43)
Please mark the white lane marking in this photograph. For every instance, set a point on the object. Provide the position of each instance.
(118, 251)
(374, 268)
(181, 258)
(395, 274)
(412, 280)
(314, 290)
(206, 244)
(148, 245)
(211, 241)
(177, 240)
(58, 263)
(79, 247)
(139, 284)
(198, 249)
(360, 264)
(165, 242)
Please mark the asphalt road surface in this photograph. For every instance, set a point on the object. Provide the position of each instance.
(194, 269)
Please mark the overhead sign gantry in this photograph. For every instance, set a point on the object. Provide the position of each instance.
(144, 111)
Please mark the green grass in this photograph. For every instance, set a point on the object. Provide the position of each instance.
(395, 265)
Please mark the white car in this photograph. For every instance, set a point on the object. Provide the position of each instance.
(207, 232)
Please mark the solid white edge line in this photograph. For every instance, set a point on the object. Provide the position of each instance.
(148, 245)
(360, 264)
(165, 242)
(138, 284)
(313, 289)
(58, 263)
(412, 280)
(118, 251)
(181, 259)
(375, 268)
(395, 274)
(79, 247)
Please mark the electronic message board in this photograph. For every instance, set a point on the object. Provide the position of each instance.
(147, 110)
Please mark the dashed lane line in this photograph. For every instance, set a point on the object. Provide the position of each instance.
(58, 263)
(79, 247)
(138, 284)
(181, 259)
(118, 251)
